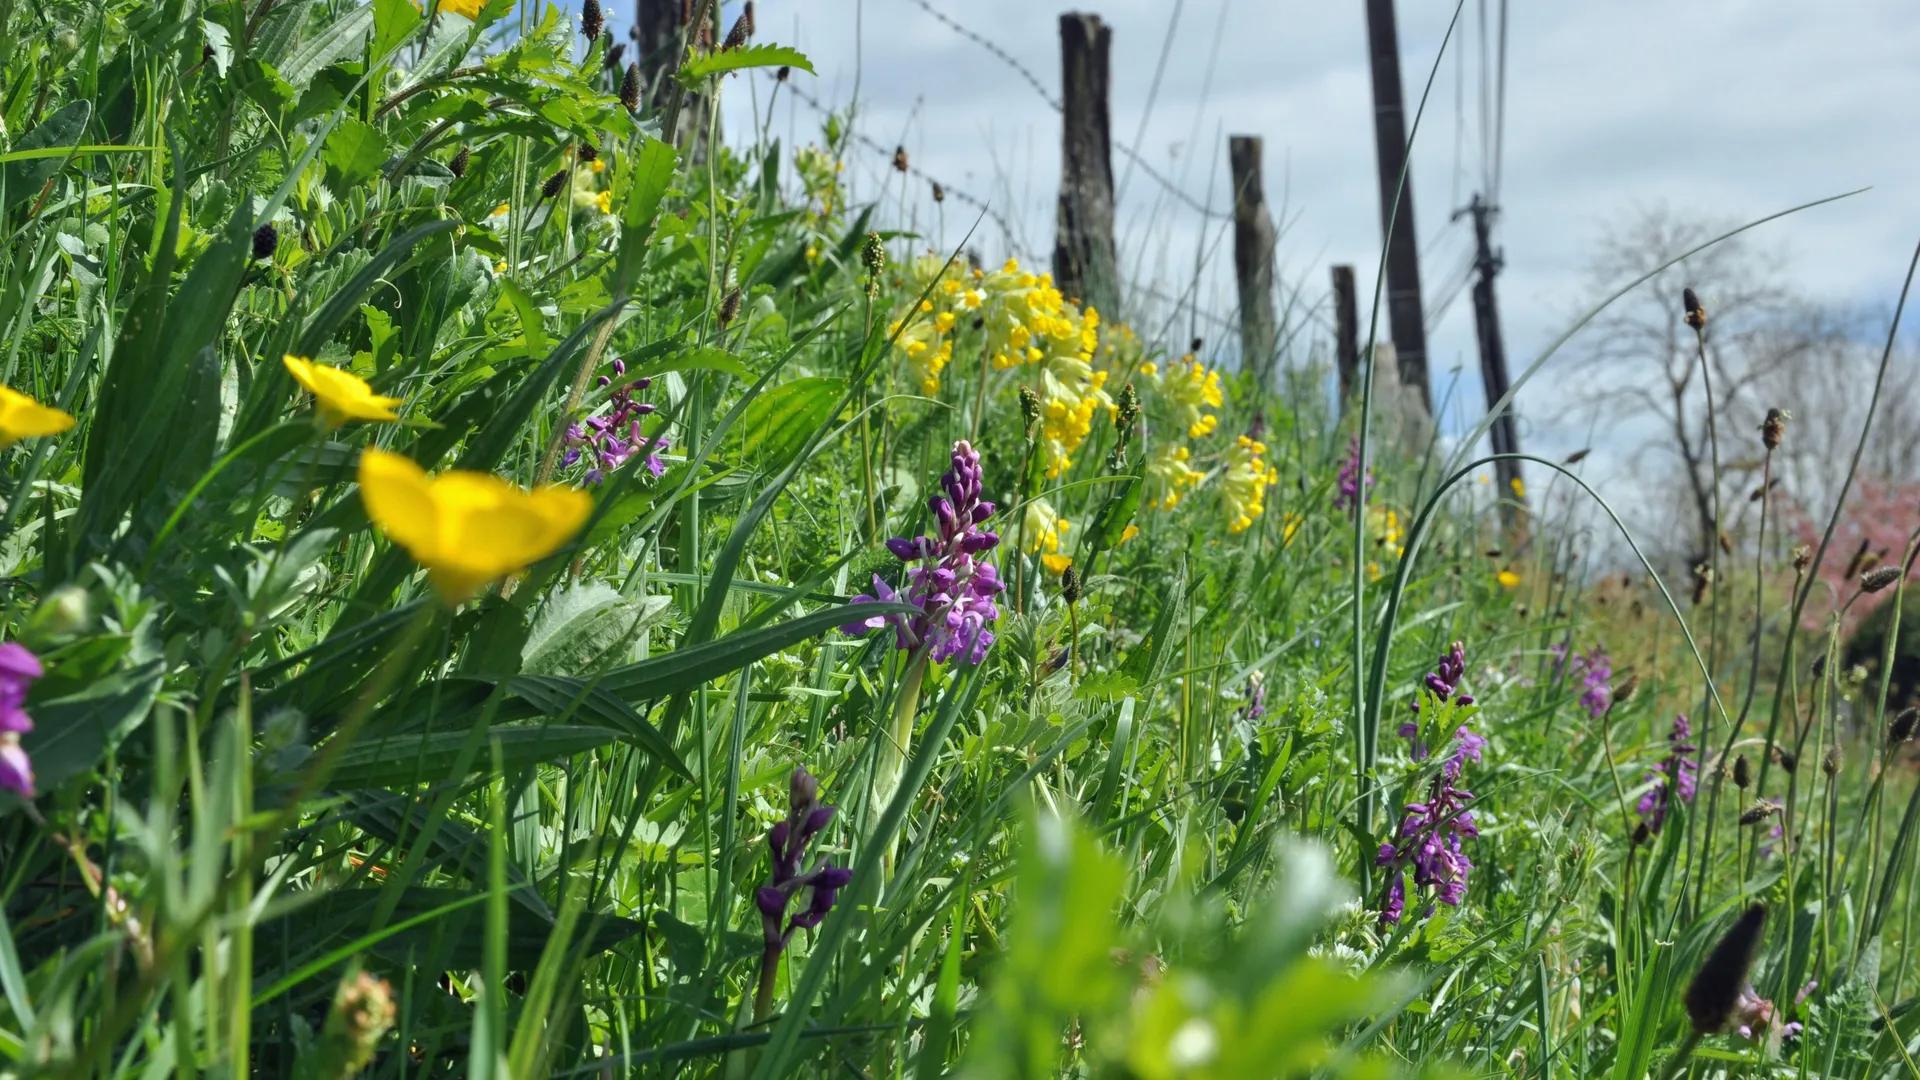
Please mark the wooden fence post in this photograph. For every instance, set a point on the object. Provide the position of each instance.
(1405, 315)
(1346, 332)
(1253, 241)
(1085, 262)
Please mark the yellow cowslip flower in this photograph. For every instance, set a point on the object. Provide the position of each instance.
(21, 417)
(1383, 525)
(1044, 528)
(1519, 487)
(1245, 484)
(1507, 579)
(1129, 532)
(1169, 477)
(340, 395)
(598, 165)
(1190, 388)
(1056, 564)
(467, 528)
(604, 202)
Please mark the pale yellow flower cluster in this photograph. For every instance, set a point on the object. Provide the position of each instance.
(1245, 483)
(1189, 388)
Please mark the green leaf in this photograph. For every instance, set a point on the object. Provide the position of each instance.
(393, 20)
(652, 175)
(354, 154)
(778, 423)
(219, 46)
(427, 757)
(74, 734)
(685, 669)
(700, 358)
(59, 132)
(339, 39)
(752, 56)
(582, 625)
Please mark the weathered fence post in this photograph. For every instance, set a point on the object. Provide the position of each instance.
(1346, 331)
(1253, 240)
(1085, 262)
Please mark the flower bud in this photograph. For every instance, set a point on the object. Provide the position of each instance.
(1830, 764)
(1696, 315)
(802, 790)
(1774, 427)
(1758, 812)
(458, 166)
(1742, 773)
(591, 20)
(939, 193)
(1903, 725)
(729, 307)
(553, 185)
(64, 612)
(1070, 586)
(630, 89)
(899, 159)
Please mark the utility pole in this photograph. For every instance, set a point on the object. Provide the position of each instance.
(1086, 263)
(1253, 242)
(1493, 364)
(1405, 315)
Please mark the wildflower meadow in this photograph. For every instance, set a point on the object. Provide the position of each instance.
(506, 574)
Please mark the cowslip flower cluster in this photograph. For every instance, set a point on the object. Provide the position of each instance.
(1169, 477)
(609, 440)
(951, 585)
(1674, 776)
(1353, 481)
(1043, 531)
(1245, 483)
(18, 670)
(1190, 388)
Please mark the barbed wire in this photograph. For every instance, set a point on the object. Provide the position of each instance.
(1139, 161)
(893, 154)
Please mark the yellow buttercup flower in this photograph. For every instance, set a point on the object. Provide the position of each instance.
(469, 8)
(1519, 487)
(1056, 564)
(1129, 532)
(1507, 579)
(340, 395)
(467, 528)
(21, 417)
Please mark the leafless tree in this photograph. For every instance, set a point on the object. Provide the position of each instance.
(1641, 368)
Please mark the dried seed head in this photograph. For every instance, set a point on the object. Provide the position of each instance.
(1629, 686)
(458, 166)
(614, 54)
(591, 20)
(1742, 773)
(1758, 812)
(1818, 667)
(730, 307)
(1774, 427)
(553, 185)
(1696, 315)
(703, 37)
(1715, 990)
(1196, 345)
(738, 34)
(1902, 727)
(630, 89)
(1802, 558)
(266, 239)
(783, 74)
(1702, 581)
(1070, 586)
(1784, 759)
(1726, 542)
(939, 193)
(585, 153)
(746, 16)
(899, 159)
(1874, 581)
(1830, 764)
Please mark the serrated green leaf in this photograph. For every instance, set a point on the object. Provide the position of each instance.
(751, 56)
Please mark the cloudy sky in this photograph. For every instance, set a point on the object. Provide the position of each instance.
(1727, 108)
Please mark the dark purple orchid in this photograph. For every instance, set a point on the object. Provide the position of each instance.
(610, 439)
(787, 845)
(1430, 842)
(953, 587)
(18, 670)
(1353, 481)
(1674, 776)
